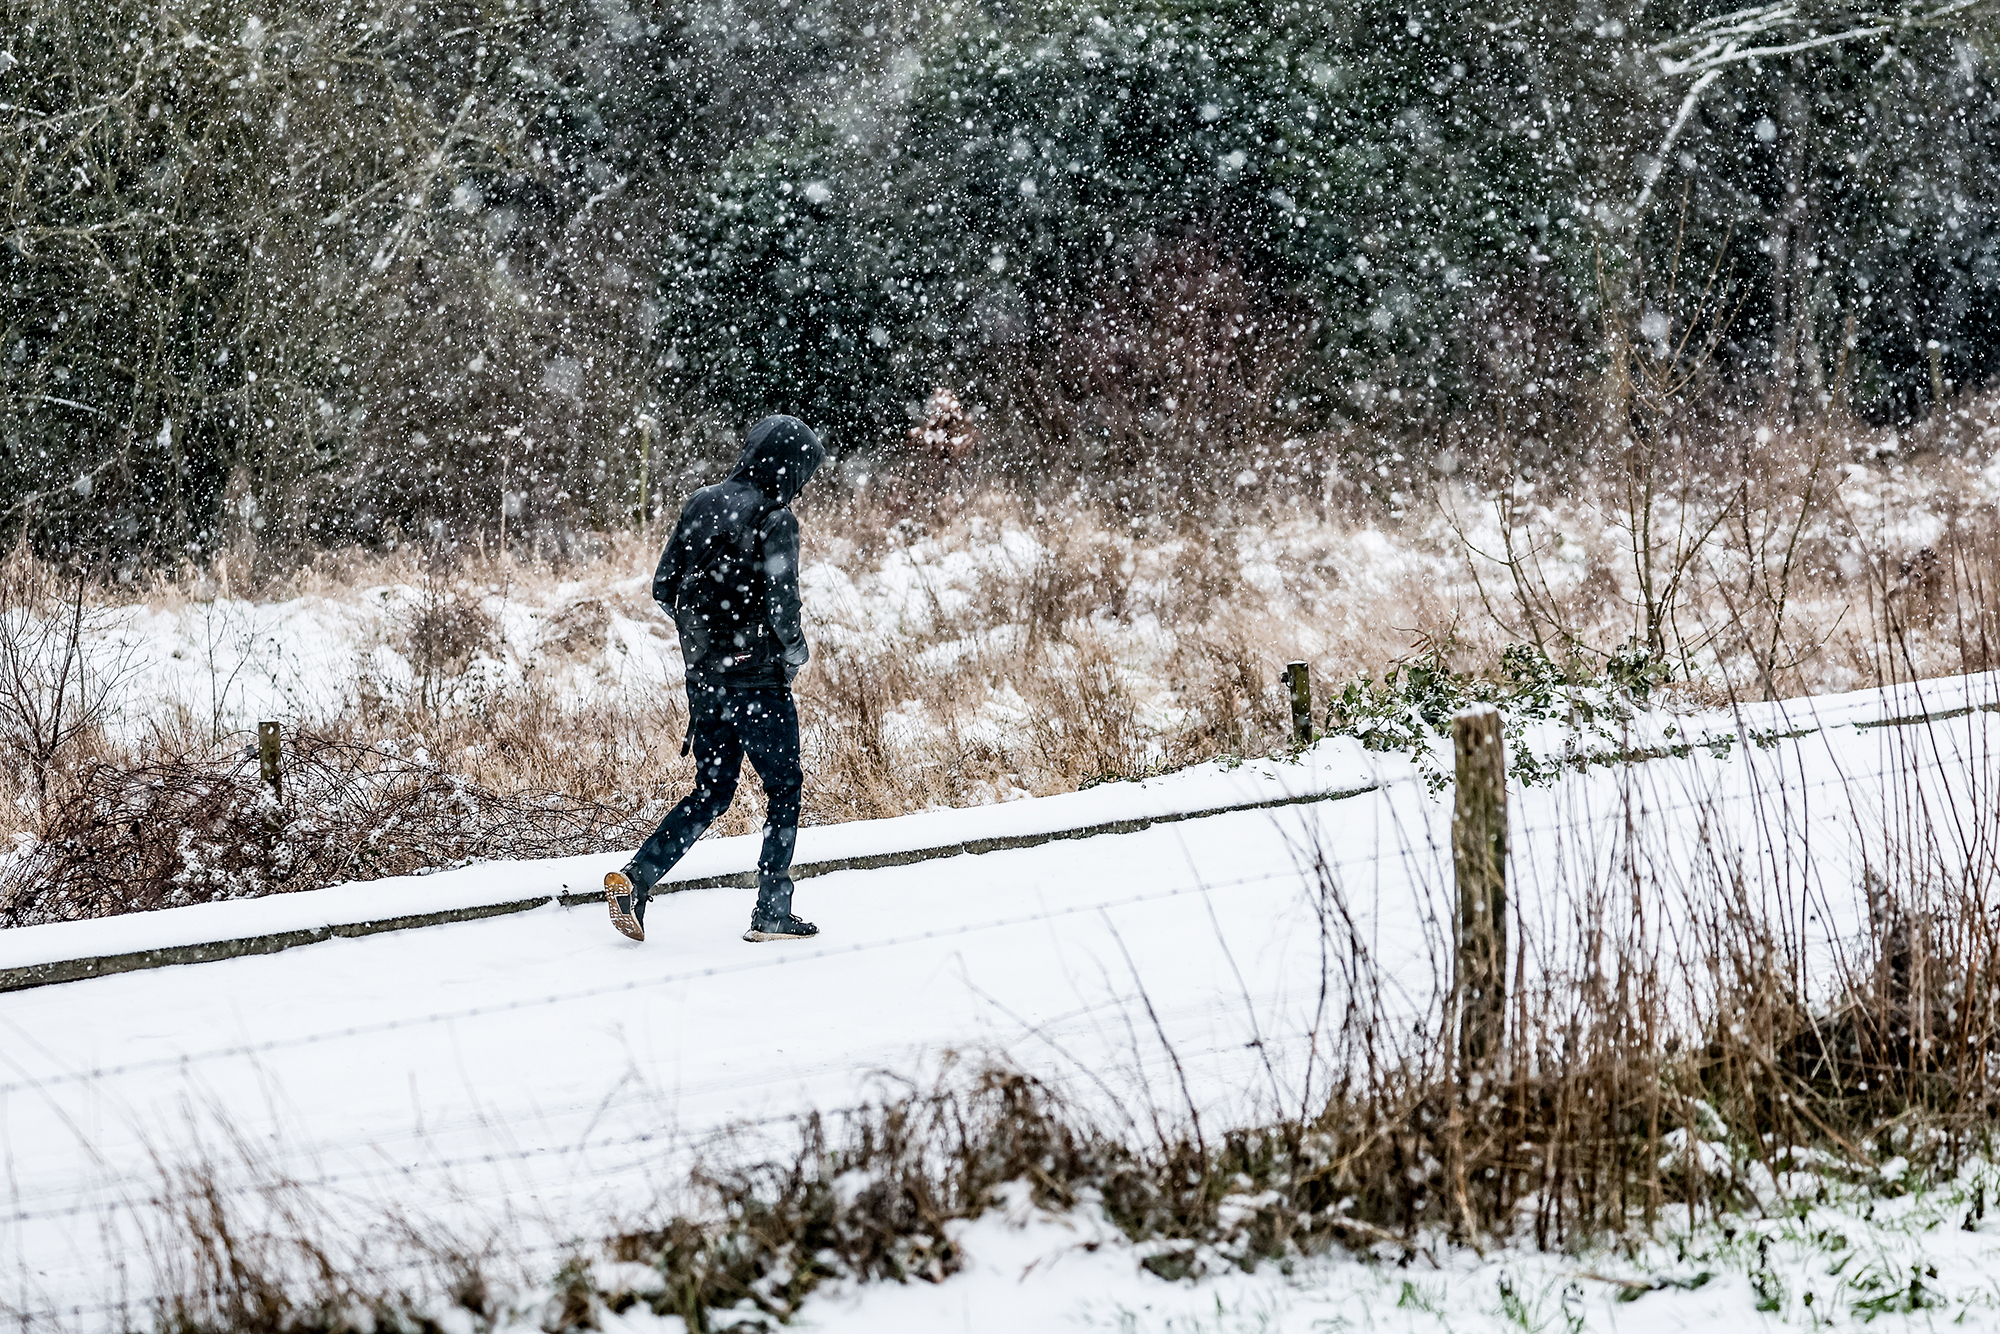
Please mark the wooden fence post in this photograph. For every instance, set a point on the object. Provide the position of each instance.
(1479, 860)
(267, 759)
(646, 428)
(1298, 679)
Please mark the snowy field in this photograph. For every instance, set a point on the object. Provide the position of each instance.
(961, 598)
(1215, 400)
(536, 1077)
(967, 607)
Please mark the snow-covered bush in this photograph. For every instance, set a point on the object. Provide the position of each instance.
(1410, 710)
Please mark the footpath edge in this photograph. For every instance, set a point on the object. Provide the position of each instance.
(25, 976)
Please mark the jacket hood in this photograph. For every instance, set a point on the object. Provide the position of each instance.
(780, 455)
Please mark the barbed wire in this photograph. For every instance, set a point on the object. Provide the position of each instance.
(672, 1138)
(1320, 865)
(690, 1142)
(1725, 794)
(517, 1004)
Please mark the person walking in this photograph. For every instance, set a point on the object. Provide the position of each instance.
(730, 579)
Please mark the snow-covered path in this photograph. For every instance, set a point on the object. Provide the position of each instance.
(538, 1074)
(1039, 955)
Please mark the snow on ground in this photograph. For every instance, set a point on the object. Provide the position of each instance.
(231, 661)
(951, 601)
(234, 660)
(1845, 1265)
(538, 1072)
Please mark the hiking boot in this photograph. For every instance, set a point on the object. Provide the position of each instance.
(627, 903)
(787, 927)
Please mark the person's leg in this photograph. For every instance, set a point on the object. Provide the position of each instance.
(718, 757)
(768, 723)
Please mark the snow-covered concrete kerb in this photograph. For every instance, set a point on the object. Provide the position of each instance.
(35, 955)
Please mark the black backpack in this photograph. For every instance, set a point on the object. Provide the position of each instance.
(720, 605)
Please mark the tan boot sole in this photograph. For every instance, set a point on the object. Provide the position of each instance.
(759, 937)
(616, 885)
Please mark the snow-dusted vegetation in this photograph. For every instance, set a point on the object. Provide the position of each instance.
(1632, 369)
(968, 649)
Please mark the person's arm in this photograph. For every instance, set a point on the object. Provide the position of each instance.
(781, 573)
(693, 631)
(667, 578)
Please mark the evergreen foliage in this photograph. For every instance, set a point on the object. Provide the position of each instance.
(293, 273)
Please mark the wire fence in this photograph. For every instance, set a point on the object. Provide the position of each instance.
(679, 1139)
(243, 1051)
(1520, 832)
(690, 1143)
(775, 959)
(1414, 845)
(1430, 843)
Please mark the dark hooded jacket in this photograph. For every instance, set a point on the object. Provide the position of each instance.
(730, 574)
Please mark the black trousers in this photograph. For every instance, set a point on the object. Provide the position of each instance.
(725, 726)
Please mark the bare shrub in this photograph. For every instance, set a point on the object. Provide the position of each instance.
(197, 826)
(443, 631)
(871, 1195)
(918, 1165)
(1927, 608)
(54, 695)
(577, 629)
(1779, 508)
(1098, 736)
(844, 717)
(275, 1259)
(1716, 520)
